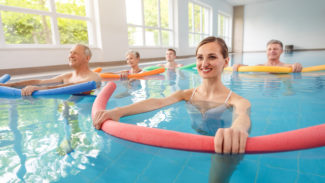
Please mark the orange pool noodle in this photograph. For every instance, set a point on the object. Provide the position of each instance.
(137, 75)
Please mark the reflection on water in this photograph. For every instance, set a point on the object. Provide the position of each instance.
(47, 139)
(13, 124)
(270, 85)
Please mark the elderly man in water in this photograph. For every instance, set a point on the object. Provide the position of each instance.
(79, 57)
(274, 51)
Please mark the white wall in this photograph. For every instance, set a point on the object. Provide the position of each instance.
(297, 22)
(113, 37)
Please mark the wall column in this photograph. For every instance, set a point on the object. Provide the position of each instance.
(238, 29)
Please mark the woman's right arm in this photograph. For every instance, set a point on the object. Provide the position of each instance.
(139, 107)
(233, 140)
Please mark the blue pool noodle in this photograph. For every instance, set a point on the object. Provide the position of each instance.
(72, 89)
(4, 78)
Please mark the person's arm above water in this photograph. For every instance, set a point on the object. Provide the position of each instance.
(124, 75)
(233, 140)
(296, 67)
(21, 83)
(30, 84)
(236, 66)
(136, 108)
(56, 79)
(28, 90)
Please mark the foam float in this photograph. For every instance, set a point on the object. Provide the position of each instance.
(272, 69)
(305, 138)
(137, 75)
(71, 89)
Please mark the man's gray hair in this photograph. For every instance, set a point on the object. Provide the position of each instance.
(86, 50)
(274, 41)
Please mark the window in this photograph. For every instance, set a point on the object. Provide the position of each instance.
(199, 23)
(45, 22)
(224, 28)
(150, 23)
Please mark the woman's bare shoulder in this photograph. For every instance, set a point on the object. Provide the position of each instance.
(236, 99)
(186, 94)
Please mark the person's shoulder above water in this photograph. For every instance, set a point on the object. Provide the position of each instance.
(274, 50)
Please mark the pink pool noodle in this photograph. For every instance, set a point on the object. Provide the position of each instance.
(305, 138)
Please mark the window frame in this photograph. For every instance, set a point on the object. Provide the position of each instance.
(228, 18)
(159, 27)
(53, 16)
(209, 22)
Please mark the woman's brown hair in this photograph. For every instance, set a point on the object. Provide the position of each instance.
(220, 41)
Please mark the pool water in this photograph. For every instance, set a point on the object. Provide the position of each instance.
(51, 139)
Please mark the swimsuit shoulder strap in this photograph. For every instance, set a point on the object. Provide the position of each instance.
(230, 92)
(193, 93)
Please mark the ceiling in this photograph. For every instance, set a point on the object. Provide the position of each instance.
(244, 2)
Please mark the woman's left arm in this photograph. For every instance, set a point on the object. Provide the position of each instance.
(233, 140)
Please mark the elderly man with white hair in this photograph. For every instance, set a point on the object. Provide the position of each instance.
(79, 57)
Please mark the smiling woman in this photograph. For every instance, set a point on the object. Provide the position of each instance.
(230, 137)
(212, 57)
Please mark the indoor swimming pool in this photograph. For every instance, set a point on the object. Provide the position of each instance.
(51, 139)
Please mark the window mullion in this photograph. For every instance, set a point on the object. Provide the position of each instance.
(203, 14)
(210, 22)
(143, 24)
(157, 29)
(23, 10)
(2, 36)
(54, 19)
(171, 22)
(159, 24)
(226, 26)
(193, 25)
(223, 25)
(90, 23)
(201, 28)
